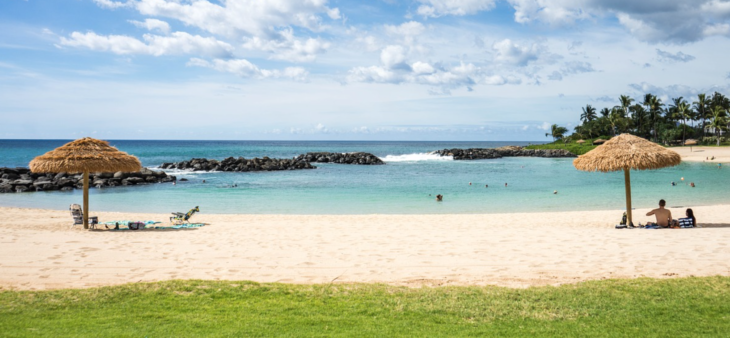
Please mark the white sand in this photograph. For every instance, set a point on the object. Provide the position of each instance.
(38, 251)
(702, 154)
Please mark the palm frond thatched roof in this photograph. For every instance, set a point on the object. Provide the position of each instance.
(580, 141)
(599, 141)
(627, 151)
(690, 142)
(85, 155)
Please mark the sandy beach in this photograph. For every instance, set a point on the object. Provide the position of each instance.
(703, 154)
(39, 251)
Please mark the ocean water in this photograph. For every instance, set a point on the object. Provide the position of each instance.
(407, 184)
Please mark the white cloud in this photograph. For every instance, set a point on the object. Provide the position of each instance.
(289, 48)
(263, 24)
(512, 53)
(392, 56)
(246, 69)
(553, 12)
(111, 4)
(677, 57)
(436, 8)
(176, 43)
(577, 67)
(422, 68)
(320, 128)
(152, 25)
(407, 29)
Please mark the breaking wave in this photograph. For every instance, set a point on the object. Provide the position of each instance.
(417, 157)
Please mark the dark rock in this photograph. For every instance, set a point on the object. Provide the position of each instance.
(10, 176)
(240, 164)
(40, 183)
(183, 179)
(132, 180)
(360, 158)
(508, 151)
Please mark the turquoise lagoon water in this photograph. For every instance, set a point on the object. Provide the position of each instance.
(408, 183)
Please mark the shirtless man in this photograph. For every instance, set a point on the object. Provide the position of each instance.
(663, 216)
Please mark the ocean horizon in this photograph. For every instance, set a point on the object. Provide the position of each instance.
(407, 184)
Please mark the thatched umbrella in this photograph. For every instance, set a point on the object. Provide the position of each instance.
(83, 156)
(690, 143)
(599, 141)
(625, 152)
(580, 141)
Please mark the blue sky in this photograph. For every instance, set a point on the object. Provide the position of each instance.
(345, 70)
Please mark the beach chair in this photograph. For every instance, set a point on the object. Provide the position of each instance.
(78, 214)
(180, 218)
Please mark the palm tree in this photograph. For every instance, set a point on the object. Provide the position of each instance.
(639, 116)
(605, 112)
(654, 104)
(557, 132)
(589, 114)
(681, 110)
(717, 121)
(616, 119)
(700, 107)
(625, 104)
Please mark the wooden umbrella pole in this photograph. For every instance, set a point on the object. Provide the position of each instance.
(627, 178)
(86, 199)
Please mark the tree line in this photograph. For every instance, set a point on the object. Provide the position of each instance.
(673, 122)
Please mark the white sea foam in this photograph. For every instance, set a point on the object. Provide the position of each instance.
(417, 157)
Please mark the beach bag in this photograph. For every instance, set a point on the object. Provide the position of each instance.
(136, 225)
(623, 225)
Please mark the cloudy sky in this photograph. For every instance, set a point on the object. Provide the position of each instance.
(345, 70)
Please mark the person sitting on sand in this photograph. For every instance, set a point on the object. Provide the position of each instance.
(663, 216)
(688, 222)
(439, 198)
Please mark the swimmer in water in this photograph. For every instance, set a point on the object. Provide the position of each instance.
(486, 185)
(439, 198)
(673, 184)
(555, 192)
(505, 184)
(692, 184)
(469, 183)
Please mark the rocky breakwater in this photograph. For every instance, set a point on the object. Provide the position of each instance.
(341, 158)
(239, 164)
(22, 180)
(508, 151)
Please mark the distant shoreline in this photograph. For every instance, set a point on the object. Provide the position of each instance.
(700, 154)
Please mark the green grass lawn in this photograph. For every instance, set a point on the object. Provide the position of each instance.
(575, 148)
(686, 307)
